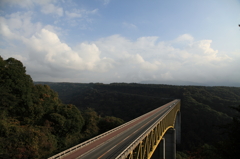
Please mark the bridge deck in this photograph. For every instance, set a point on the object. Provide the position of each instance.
(114, 143)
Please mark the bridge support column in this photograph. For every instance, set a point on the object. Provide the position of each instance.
(178, 128)
(162, 149)
(170, 144)
(159, 153)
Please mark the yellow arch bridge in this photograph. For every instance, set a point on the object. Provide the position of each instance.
(153, 135)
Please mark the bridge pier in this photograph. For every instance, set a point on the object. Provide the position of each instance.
(178, 127)
(160, 150)
(170, 145)
(167, 147)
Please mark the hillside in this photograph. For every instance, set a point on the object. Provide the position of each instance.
(203, 108)
(34, 123)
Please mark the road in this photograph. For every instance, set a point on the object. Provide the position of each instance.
(113, 144)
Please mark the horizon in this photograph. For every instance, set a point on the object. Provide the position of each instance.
(145, 83)
(113, 41)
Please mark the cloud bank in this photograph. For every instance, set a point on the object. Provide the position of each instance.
(114, 58)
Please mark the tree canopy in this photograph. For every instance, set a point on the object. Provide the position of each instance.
(32, 118)
(34, 123)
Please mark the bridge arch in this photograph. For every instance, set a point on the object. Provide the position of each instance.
(172, 136)
(146, 144)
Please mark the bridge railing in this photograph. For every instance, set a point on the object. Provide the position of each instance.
(146, 143)
(83, 144)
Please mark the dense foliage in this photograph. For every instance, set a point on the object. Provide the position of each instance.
(34, 123)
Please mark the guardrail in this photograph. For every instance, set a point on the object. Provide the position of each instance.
(83, 144)
(164, 123)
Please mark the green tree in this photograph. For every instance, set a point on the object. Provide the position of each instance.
(229, 148)
(108, 123)
(16, 87)
(34, 123)
(90, 128)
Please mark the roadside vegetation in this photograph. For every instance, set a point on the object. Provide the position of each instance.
(34, 123)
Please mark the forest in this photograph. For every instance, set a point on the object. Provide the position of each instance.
(34, 123)
(39, 119)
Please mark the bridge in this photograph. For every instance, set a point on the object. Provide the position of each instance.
(153, 135)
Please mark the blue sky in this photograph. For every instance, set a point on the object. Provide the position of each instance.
(177, 42)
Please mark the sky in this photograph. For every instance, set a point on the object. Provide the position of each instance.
(188, 42)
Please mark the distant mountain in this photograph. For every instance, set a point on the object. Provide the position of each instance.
(189, 83)
(183, 83)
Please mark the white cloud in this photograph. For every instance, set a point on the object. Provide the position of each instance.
(202, 49)
(47, 6)
(26, 3)
(93, 11)
(80, 17)
(49, 55)
(110, 59)
(18, 25)
(5, 30)
(22, 3)
(184, 37)
(129, 25)
(46, 48)
(44, 2)
(105, 2)
(42, 45)
(166, 76)
(80, 13)
(73, 15)
(54, 29)
(161, 59)
(52, 9)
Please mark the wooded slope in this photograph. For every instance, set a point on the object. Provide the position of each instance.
(203, 108)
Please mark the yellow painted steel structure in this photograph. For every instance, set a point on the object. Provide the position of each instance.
(148, 142)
